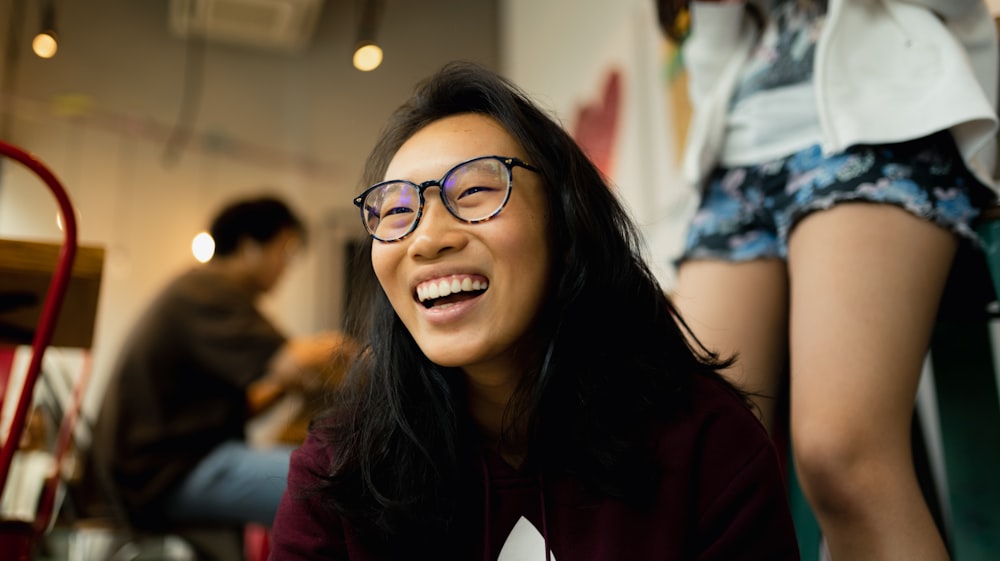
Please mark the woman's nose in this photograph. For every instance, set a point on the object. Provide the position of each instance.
(438, 231)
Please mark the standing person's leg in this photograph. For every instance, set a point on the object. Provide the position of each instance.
(740, 308)
(865, 284)
(235, 483)
(732, 286)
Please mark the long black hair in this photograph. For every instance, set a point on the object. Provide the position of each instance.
(615, 357)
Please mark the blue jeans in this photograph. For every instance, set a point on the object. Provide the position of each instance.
(234, 484)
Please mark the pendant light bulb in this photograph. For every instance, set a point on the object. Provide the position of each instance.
(367, 57)
(45, 44)
(367, 53)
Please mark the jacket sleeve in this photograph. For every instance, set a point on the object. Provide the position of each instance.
(717, 32)
(306, 529)
(750, 520)
(722, 36)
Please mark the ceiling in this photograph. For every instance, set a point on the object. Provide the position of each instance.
(120, 59)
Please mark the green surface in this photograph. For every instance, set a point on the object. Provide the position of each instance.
(806, 526)
(969, 413)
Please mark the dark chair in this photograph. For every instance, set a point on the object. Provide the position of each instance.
(98, 508)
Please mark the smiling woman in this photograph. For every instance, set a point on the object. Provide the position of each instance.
(482, 331)
(526, 390)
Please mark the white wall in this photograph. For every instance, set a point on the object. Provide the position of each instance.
(559, 51)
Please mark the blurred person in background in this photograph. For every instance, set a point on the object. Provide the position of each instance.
(170, 438)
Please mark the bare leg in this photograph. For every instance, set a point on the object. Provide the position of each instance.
(740, 308)
(865, 284)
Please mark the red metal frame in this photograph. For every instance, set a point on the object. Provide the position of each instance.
(64, 444)
(43, 334)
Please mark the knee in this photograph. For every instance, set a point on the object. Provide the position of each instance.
(838, 471)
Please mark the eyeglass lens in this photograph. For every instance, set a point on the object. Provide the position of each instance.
(472, 191)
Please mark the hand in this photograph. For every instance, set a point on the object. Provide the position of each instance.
(309, 363)
(315, 351)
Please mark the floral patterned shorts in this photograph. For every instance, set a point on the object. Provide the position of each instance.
(747, 212)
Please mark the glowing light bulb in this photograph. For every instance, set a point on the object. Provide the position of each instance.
(203, 247)
(367, 57)
(44, 44)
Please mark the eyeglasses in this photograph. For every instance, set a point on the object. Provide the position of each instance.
(472, 191)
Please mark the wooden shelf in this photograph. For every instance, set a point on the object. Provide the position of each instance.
(26, 269)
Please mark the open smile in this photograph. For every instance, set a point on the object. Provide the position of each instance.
(450, 289)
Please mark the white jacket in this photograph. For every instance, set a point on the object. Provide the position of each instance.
(885, 71)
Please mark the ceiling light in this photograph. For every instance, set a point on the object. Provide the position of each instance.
(367, 53)
(45, 43)
(367, 56)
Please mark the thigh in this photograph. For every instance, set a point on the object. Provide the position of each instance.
(865, 281)
(234, 483)
(740, 308)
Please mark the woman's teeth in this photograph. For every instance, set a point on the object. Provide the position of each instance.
(442, 288)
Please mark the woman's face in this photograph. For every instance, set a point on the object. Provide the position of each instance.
(480, 330)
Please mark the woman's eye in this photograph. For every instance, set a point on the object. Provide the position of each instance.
(472, 191)
(396, 210)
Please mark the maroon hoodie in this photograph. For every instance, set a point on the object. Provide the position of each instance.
(721, 497)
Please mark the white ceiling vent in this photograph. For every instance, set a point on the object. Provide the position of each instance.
(283, 25)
